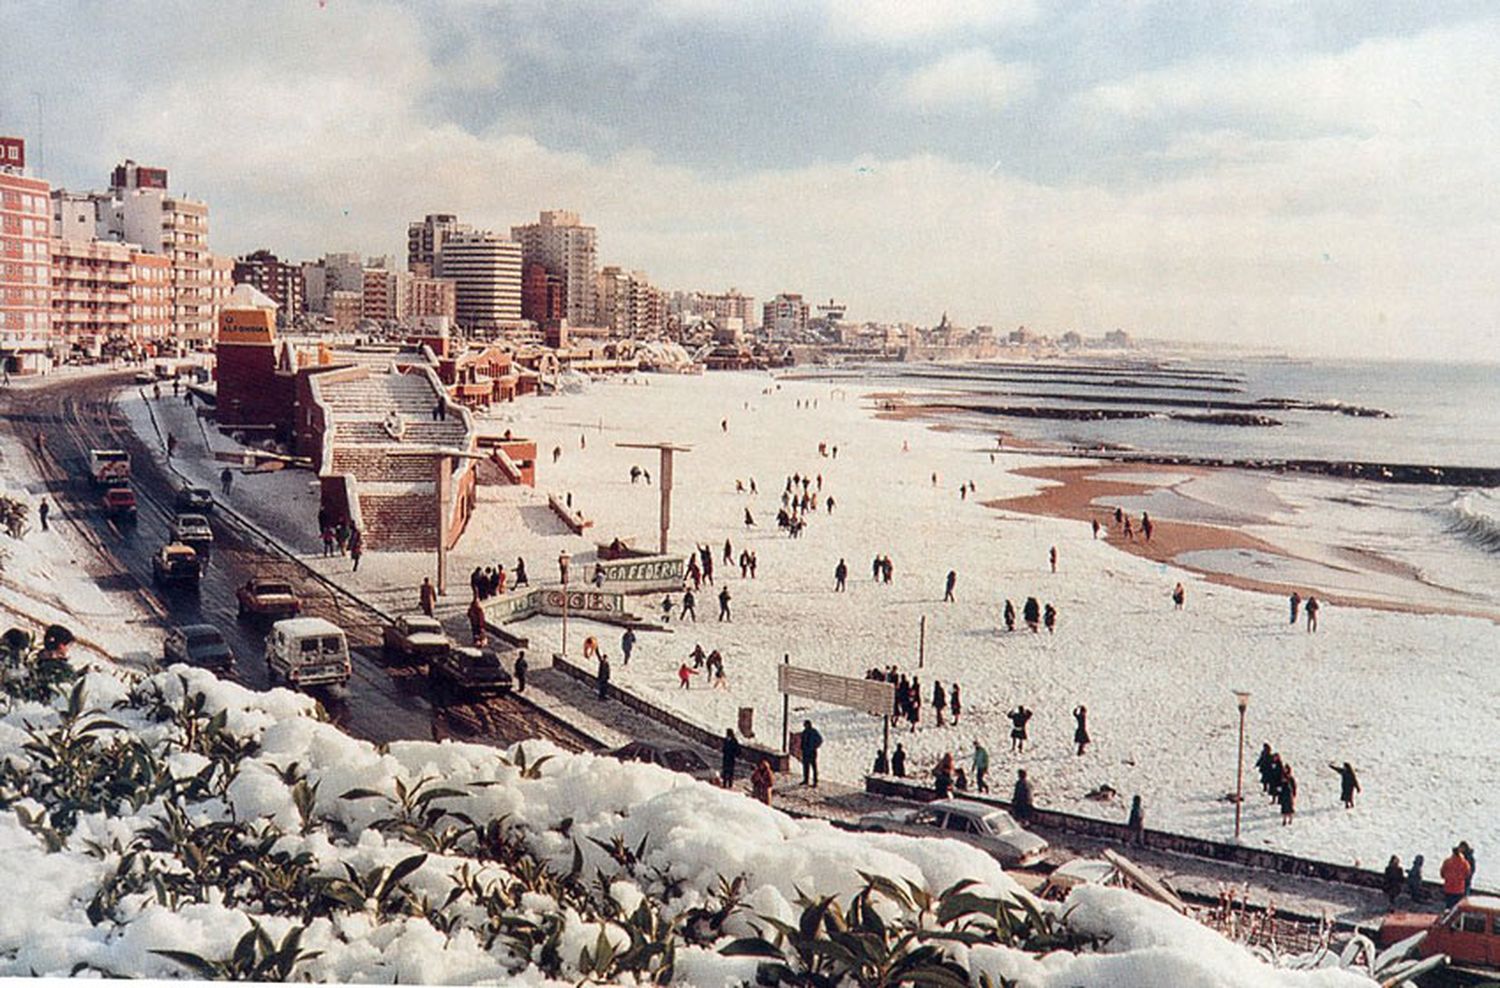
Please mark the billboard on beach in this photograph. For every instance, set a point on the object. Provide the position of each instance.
(869, 695)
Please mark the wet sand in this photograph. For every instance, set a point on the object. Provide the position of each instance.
(1077, 488)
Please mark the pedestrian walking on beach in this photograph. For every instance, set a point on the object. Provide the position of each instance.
(898, 761)
(840, 574)
(1312, 613)
(627, 643)
(1414, 887)
(356, 548)
(427, 596)
(1146, 526)
(1010, 615)
(948, 586)
(981, 764)
(341, 536)
(1129, 532)
(811, 742)
(1021, 802)
(1393, 880)
(1052, 558)
(328, 541)
(939, 702)
(685, 677)
(1348, 783)
(1049, 618)
(666, 609)
(1096, 526)
(520, 580)
(521, 666)
(723, 606)
(761, 781)
(955, 704)
(1295, 600)
(1032, 612)
(1119, 516)
(1179, 596)
(749, 519)
(1455, 873)
(730, 753)
(1019, 718)
(602, 675)
(475, 614)
(1287, 797)
(1081, 728)
(42, 511)
(1263, 763)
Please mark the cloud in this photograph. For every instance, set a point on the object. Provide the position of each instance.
(969, 78)
(896, 22)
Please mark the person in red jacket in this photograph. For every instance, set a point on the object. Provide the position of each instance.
(1455, 872)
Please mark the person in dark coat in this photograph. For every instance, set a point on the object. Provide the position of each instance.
(1049, 618)
(1018, 720)
(1394, 881)
(1021, 803)
(1414, 886)
(1010, 616)
(948, 586)
(1348, 783)
(1287, 796)
(427, 595)
(1295, 600)
(730, 753)
(520, 573)
(603, 676)
(521, 666)
(1311, 609)
(723, 605)
(898, 762)
(627, 643)
(811, 742)
(882, 763)
(1081, 730)
(840, 574)
(939, 701)
(955, 704)
(1468, 855)
(1032, 612)
(1263, 763)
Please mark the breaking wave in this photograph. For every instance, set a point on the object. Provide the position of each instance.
(1474, 516)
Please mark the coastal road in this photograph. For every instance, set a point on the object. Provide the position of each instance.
(383, 702)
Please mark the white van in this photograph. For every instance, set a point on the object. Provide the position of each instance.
(307, 651)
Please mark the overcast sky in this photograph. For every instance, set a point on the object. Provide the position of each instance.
(1318, 177)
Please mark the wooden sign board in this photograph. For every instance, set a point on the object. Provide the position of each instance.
(869, 695)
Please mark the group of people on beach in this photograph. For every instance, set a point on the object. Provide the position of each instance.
(1456, 873)
(906, 703)
(711, 664)
(491, 581)
(1033, 613)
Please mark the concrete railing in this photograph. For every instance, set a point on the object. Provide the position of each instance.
(750, 750)
(573, 519)
(1160, 840)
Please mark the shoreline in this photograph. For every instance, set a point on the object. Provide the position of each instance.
(1075, 490)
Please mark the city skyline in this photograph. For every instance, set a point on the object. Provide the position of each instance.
(1309, 180)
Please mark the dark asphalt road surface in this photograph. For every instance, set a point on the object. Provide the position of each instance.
(383, 701)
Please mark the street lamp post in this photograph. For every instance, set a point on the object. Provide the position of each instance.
(562, 566)
(1242, 698)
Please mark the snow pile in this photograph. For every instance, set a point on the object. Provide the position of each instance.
(180, 825)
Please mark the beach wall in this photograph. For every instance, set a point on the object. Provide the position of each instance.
(1160, 840)
(752, 750)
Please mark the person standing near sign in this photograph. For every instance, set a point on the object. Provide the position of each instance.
(730, 753)
(811, 742)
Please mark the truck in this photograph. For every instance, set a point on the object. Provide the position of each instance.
(109, 467)
(307, 651)
(119, 504)
(1468, 933)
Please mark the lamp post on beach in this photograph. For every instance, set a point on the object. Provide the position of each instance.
(1242, 697)
(562, 565)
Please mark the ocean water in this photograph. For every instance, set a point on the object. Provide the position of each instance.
(1439, 415)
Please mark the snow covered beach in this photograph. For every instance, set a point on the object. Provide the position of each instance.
(1157, 683)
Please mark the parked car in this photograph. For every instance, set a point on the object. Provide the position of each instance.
(198, 645)
(1469, 933)
(986, 827)
(416, 636)
(470, 670)
(268, 598)
(308, 651)
(119, 504)
(196, 499)
(176, 563)
(192, 529)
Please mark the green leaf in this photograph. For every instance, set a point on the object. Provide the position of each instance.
(358, 793)
(750, 947)
(207, 969)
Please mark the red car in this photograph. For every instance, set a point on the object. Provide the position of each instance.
(1469, 933)
(119, 504)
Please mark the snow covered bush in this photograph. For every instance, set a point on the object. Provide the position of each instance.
(175, 825)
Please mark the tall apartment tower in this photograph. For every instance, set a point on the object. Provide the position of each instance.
(486, 271)
(425, 238)
(25, 263)
(278, 280)
(568, 250)
(142, 211)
